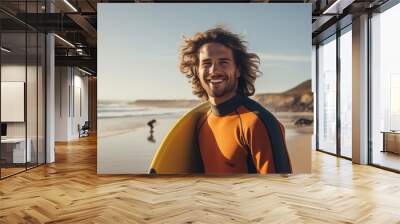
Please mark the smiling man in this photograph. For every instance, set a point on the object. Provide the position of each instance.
(237, 135)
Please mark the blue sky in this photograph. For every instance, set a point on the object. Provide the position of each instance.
(138, 45)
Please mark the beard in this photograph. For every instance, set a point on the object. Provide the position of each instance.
(220, 88)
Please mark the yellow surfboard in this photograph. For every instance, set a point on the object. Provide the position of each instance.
(179, 153)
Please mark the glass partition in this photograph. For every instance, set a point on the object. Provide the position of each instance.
(22, 77)
(327, 95)
(13, 114)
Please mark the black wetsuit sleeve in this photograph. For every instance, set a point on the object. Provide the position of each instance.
(277, 139)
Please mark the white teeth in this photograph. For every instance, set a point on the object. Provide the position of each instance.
(215, 80)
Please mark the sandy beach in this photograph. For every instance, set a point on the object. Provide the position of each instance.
(127, 145)
(130, 150)
(117, 126)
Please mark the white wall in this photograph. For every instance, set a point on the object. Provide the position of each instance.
(33, 126)
(12, 73)
(62, 81)
(80, 110)
(70, 84)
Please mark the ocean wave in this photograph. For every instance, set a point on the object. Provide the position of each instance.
(139, 112)
(119, 109)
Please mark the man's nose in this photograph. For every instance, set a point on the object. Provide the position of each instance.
(214, 68)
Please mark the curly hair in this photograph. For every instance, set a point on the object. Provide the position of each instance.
(247, 63)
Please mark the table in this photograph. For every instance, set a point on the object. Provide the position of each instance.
(16, 147)
(391, 141)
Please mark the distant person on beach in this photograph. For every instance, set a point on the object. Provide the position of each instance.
(237, 135)
(151, 124)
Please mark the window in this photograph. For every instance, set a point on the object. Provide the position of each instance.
(327, 95)
(385, 89)
(346, 92)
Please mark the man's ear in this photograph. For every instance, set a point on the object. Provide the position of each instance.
(237, 73)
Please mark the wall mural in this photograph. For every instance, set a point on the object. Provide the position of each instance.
(175, 94)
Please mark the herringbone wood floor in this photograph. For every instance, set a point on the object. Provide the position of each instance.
(70, 191)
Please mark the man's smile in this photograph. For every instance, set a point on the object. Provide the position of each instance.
(216, 80)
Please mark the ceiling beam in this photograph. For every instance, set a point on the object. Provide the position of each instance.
(84, 61)
(83, 23)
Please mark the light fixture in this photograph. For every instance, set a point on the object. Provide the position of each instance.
(80, 51)
(70, 5)
(84, 71)
(5, 50)
(65, 41)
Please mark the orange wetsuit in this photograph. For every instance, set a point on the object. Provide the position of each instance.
(241, 136)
